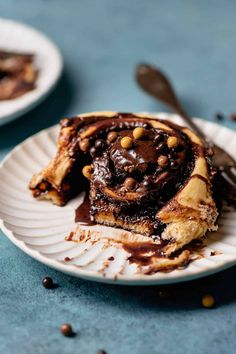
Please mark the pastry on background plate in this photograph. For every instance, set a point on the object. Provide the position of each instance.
(145, 175)
(17, 74)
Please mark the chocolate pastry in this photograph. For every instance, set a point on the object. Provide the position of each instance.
(144, 175)
(17, 74)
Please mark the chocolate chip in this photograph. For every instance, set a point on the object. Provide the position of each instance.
(213, 253)
(66, 330)
(138, 133)
(160, 147)
(93, 151)
(87, 171)
(162, 161)
(111, 137)
(147, 183)
(157, 139)
(84, 145)
(100, 144)
(48, 283)
(174, 164)
(67, 259)
(126, 142)
(208, 301)
(172, 142)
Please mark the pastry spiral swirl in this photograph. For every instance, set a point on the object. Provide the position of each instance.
(145, 175)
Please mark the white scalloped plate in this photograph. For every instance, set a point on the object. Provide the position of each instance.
(15, 36)
(39, 228)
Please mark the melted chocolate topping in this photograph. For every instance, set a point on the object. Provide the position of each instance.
(115, 164)
(136, 158)
(112, 164)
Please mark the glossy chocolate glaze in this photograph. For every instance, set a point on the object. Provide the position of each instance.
(113, 164)
(138, 157)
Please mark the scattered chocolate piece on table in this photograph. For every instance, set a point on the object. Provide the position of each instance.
(66, 330)
(219, 116)
(48, 283)
(111, 258)
(208, 301)
(233, 117)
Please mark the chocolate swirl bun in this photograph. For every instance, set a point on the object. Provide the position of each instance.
(18, 74)
(145, 175)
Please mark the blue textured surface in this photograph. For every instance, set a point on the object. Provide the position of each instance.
(101, 41)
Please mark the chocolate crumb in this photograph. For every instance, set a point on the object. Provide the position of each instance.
(233, 117)
(70, 236)
(219, 116)
(67, 259)
(215, 253)
(111, 258)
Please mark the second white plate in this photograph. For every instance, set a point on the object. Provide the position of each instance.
(39, 228)
(18, 37)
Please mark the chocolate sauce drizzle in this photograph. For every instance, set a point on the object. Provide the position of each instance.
(141, 253)
(82, 213)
